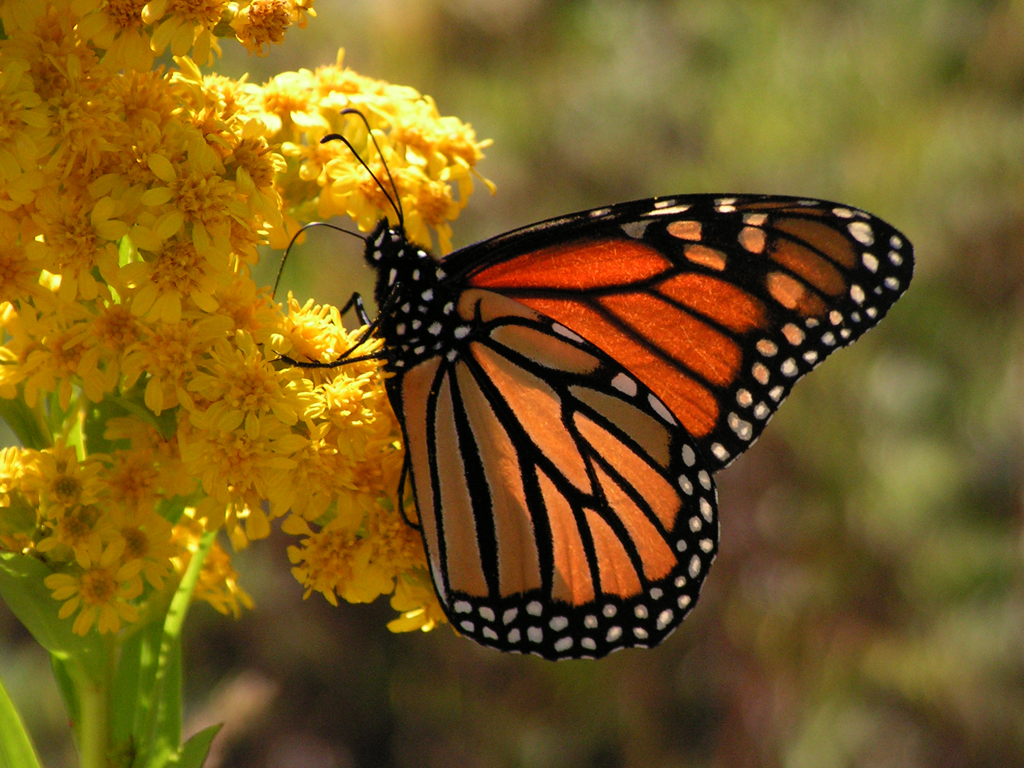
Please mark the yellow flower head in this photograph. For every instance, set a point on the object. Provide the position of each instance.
(240, 385)
(18, 508)
(185, 25)
(416, 600)
(261, 23)
(117, 27)
(426, 153)
(102, 591)
(77, 534)
(132, 205)
(148, 540)
(62, 482)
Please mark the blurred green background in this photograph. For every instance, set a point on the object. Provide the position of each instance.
(867, 606)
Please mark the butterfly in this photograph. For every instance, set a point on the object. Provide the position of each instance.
(566, 392)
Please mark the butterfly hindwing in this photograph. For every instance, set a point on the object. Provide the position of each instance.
(718, 304)
(564, 509)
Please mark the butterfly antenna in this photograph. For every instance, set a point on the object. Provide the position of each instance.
(295, 237)
(396, 201)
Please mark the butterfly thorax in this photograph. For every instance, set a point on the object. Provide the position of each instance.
(418, 318)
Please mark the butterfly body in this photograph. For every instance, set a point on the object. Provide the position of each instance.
(567, 390)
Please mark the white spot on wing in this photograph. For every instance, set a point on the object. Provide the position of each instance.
(689, 457)
(861, 232)
(660, 409)
(635, 229)
(561, 330)
(624, 384)
(666, 211)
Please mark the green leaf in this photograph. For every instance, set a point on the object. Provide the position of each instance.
(126, 252)
(22, 421)
(194, 751)
(133, 401)
(62, 674)
(96, 417)
(173, 508)
(16, 750)
(22, 588)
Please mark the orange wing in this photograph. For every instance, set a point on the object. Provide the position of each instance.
(718, 305)
(564, 509)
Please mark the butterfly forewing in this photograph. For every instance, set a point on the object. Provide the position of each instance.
(565, 510)
(718, 304)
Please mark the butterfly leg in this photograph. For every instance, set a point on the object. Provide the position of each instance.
(401, 492)
(356, 300)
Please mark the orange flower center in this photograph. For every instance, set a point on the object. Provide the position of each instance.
(97, 586)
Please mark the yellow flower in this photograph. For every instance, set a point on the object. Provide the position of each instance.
(18, 508)
(101, 591)
(146, 98)
(62, 482)
(188, 24)
(131, 480)
(54, 52)
(19, 275)
(335, 561)
(150, 447)
(178, 273)
(78, 235)
(241, 385)
(251, 309)
(20, 14)
(261, 23)
(196, 196)
(429, 156)
(118, 28)
(48, 346)
(113, 330)
(24, 124)
(239, 469)
(148, 540)
(316, 332)
(79, 533)
(170, 354)
(416, 600)
(255, 167)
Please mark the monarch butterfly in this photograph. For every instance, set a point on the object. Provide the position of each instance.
(567, 390)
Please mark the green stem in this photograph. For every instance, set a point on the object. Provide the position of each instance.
(94, 726)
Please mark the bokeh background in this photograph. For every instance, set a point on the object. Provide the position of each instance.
(867, 606)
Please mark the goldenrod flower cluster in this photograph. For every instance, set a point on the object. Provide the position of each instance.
(135, 344)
